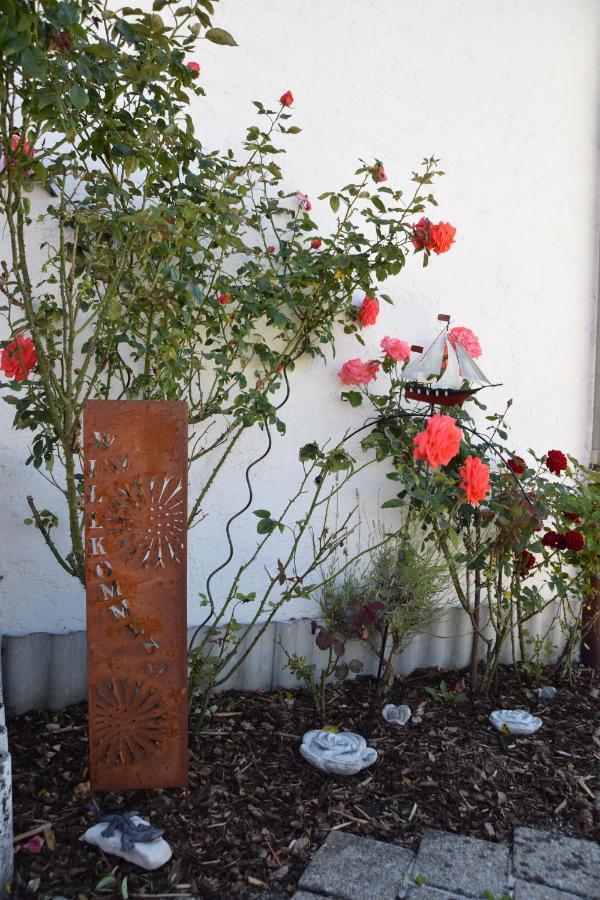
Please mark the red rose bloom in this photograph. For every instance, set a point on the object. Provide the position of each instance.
(572, 517)
(193, 67)
(420, 236)
(525, 562)
(561, 543)
(439, 442)
(271, 249)
(574, 541)
(224, 299)
(18, 358)
(286, 99)
(368, 312)
(441, 237)
(517, 465)
(316, 244)
(475, 479)
(438, 238)
(551, 539)
(556, 461)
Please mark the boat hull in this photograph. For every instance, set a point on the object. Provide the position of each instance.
(438, 397)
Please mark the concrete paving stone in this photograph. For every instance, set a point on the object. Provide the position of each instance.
(525, 890)
(356, 868)
(463, 865)
(564, 863)
(304, 895)
(428, 893)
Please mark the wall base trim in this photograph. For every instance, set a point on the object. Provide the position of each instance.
(49, 671)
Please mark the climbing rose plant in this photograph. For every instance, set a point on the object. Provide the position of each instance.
(174, 270)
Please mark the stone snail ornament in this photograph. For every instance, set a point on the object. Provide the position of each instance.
(515, 721)
(396, 715)
(339, 754)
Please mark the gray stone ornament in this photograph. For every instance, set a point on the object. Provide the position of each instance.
(341, 754)
(131, 837)
(396, 715)
(517, 721)
(547, 694)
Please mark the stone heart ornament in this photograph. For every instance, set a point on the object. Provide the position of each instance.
(396, 715)
(340, 754)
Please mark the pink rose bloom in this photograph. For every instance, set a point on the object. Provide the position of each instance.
(34, 844)
(193, 67)
(20, 146)
(378, 173)
(368, 312)
(439, 442)
(395, 349)
(475, 479)
(466, 338)
(357, 372)
(303, 202)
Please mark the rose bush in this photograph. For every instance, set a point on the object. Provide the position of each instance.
(175, 271)
(484, 508)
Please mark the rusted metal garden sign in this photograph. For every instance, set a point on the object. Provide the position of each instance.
(135, 480)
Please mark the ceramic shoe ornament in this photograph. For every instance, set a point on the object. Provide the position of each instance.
(515, 721)
(340, 754)
(396, 715)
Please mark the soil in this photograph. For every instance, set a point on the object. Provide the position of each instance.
(255, 811)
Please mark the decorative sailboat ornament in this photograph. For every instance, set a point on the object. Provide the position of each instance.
(428, 381)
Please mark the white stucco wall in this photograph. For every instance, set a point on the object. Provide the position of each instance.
(506, 94)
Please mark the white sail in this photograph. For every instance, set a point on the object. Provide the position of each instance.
(412, 370)
(431, 361)
(469, 367)
(451, 377)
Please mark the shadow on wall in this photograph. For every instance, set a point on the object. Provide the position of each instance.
(49, 671)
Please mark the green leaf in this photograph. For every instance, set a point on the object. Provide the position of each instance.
(78, 96)
(33, 64)
(107, 881)
(309, 451)
(390, 504)
(354, 398)
(453, 537)
(220, 36)
(125, 31)
(124, 889)
(262, 513)
(334, 203)
(265, 526)
(341, 671)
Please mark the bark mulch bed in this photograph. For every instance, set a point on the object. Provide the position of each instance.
(255, 811)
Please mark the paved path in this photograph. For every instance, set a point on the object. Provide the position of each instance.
(540, 866)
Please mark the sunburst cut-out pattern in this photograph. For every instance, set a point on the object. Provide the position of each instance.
(129, 722)
(147, 519)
